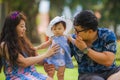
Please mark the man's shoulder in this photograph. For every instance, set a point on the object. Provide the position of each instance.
(104, 30)
(105, 33)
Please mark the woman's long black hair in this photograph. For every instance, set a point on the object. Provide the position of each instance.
(12, 44)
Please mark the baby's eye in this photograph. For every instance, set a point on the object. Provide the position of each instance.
(22, 26)
(54, 29)
(59, 28)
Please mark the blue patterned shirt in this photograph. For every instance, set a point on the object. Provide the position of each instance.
(106, 41)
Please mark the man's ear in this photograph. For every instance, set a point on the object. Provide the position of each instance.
(90, 31)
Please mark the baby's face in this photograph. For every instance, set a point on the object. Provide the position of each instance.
(58, 29)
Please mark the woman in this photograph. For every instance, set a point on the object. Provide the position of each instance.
(17, 55)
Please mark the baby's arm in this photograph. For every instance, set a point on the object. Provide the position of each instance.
(44, 45)
(70, 39)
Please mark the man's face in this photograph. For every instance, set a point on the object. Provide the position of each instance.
(83, 33)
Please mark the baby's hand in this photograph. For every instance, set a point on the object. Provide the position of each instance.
(35, 48)
(72, 40)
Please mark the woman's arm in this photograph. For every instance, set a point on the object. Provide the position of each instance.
(25, 62)
(41, 62)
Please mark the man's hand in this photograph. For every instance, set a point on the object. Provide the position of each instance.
(49, 69)
(80, 44)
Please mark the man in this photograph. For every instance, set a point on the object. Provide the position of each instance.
(94, 48)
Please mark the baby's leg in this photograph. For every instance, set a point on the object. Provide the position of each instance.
(60, 73)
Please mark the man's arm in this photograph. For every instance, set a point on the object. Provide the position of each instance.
(105, 58)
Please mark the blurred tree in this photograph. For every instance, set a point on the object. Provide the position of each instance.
(111, 12)
(2, 14)
(30, 8)
(87, 4)
(56, 7)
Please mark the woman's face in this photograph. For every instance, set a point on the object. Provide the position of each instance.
(21, 28)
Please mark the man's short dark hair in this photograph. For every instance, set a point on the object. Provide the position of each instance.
(86, 19)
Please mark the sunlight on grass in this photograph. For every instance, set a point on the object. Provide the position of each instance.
(70, 74)
(2, 76)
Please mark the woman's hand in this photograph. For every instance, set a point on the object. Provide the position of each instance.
(52, 50)
(25, 62)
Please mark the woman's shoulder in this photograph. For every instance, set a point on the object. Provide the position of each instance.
(1, 47)
(2, 44)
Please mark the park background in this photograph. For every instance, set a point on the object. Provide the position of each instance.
(40, 12)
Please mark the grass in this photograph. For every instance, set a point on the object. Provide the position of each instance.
(2, 76)
(70, 74)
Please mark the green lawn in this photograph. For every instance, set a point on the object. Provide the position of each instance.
(70, 74)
